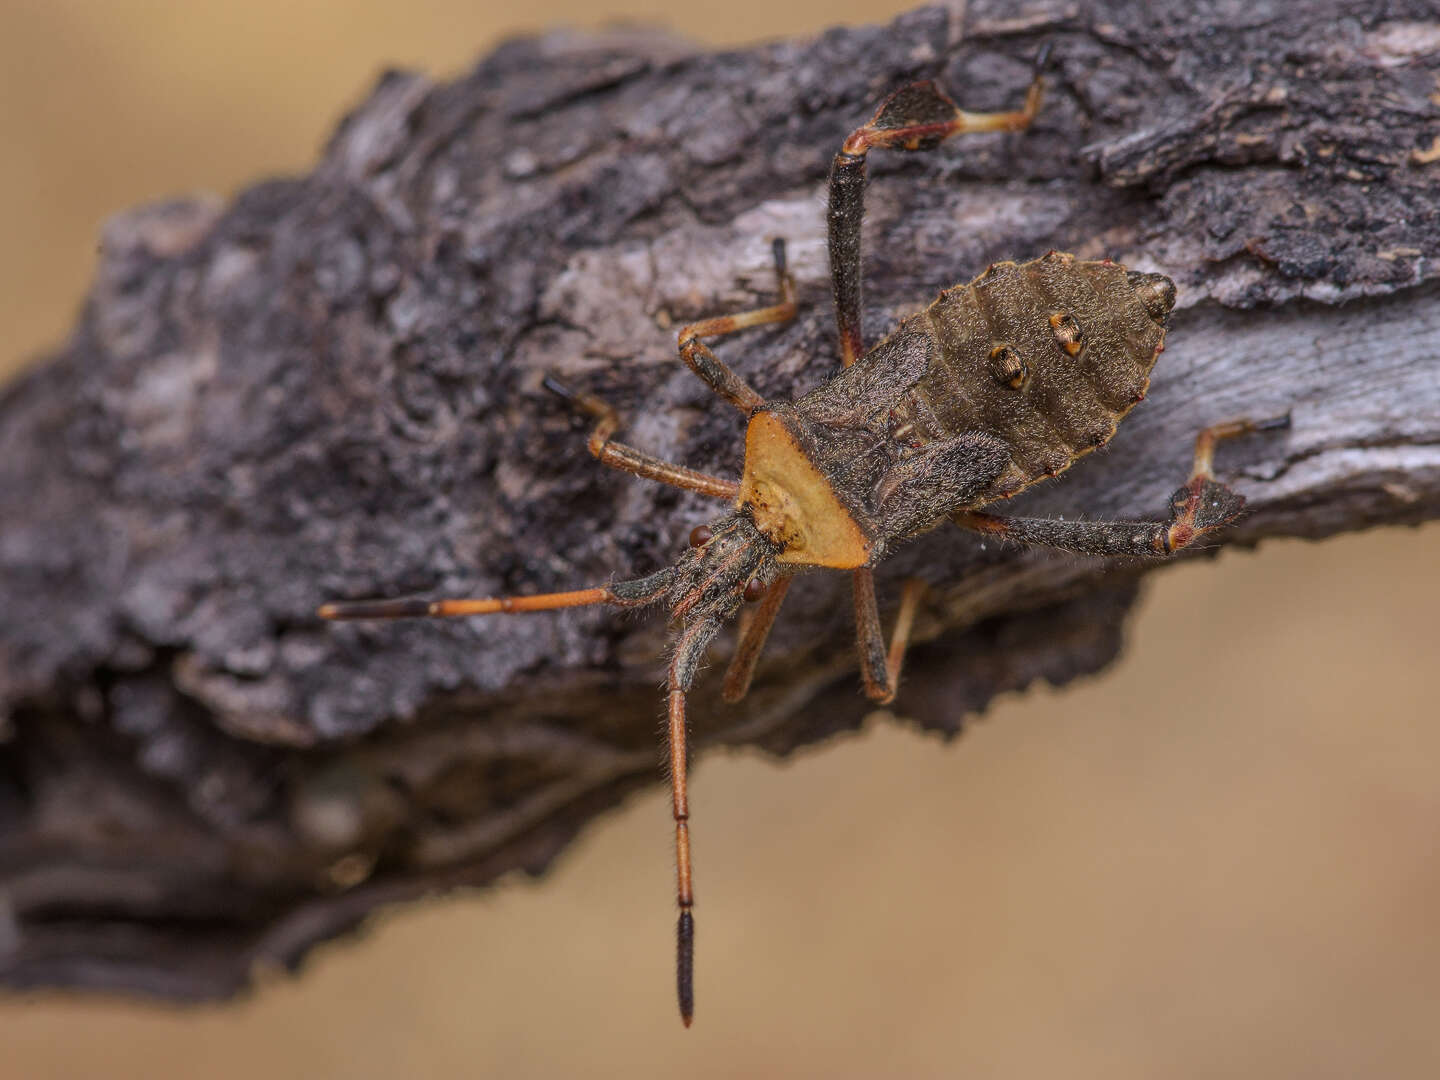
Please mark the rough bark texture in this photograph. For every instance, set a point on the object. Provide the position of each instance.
(330, 389)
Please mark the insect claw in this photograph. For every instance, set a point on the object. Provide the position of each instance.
(1274, 423)
(1042, 56)
(559, 389)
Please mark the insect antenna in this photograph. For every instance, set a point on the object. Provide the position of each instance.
(726, 562)
(635, 593)
(684, 663)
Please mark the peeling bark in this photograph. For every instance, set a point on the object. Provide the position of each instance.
(329, 388)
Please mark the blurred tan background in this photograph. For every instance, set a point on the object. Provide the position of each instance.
(1220, 859)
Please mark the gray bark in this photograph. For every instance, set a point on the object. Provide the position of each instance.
(329, 388)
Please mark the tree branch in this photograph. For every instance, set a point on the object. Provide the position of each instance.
(330, 388)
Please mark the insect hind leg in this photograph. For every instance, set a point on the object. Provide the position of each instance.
(1197, 509)
(916, 117)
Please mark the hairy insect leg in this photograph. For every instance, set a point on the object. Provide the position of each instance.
(684, 663)
(1203, 505)
(711, 369)
(637, 593)
(881, 671)
(752, 641)
(628, 459)
(916, 117)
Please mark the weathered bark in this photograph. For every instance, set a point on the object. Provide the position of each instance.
(330, 389)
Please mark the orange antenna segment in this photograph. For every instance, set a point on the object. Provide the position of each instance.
(413, 609)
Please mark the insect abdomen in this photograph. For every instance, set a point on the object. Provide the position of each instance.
(1046, 356)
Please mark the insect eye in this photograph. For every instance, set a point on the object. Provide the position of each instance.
(754, 590)
(1008, 366)
(1067, 332)
(701, 535)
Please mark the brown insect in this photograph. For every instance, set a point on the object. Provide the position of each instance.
(998, 384)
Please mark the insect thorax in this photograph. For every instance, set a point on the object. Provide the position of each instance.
(793, 503)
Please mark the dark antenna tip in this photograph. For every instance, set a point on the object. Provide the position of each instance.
(685, 966)
(777, 246)
(376, 609)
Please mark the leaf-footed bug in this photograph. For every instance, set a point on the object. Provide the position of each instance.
(998, 384)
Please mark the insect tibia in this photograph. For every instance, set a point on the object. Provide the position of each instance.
(919, 105)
